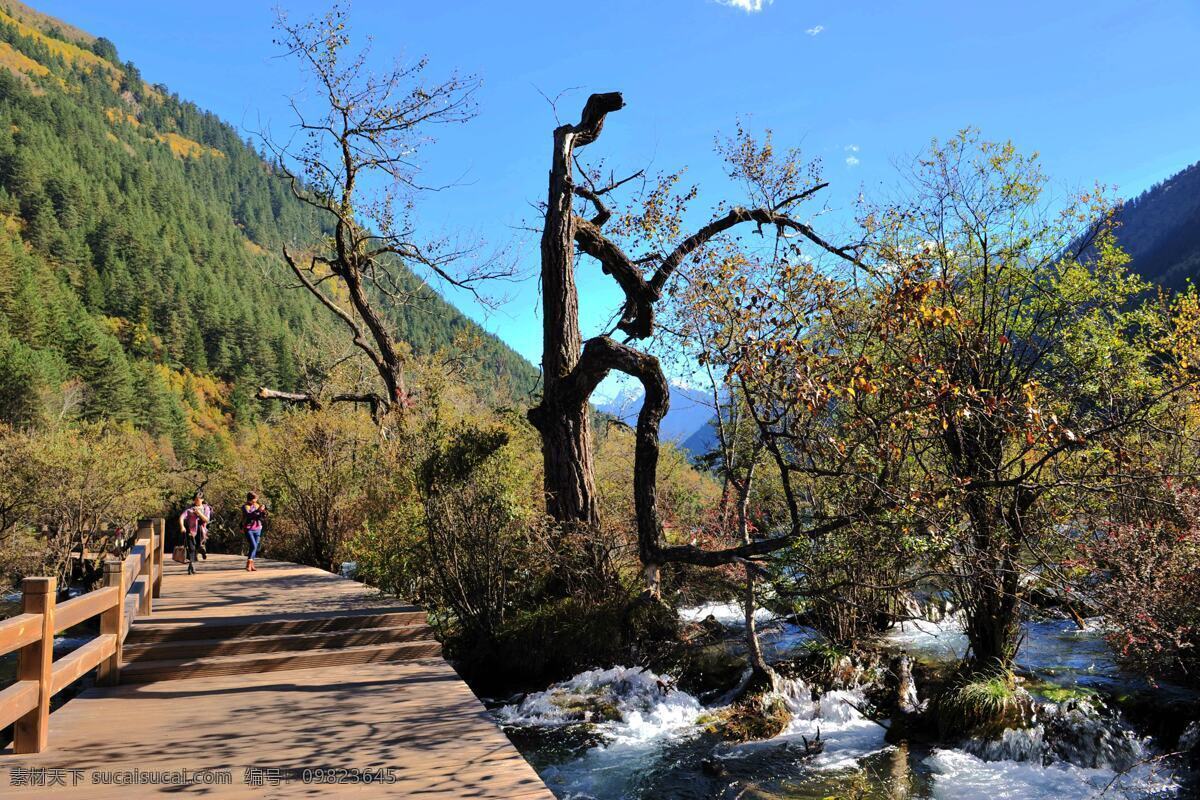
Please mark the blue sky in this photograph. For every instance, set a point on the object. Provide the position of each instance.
(1105, 90)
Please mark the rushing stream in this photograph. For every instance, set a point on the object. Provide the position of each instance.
(627, 733)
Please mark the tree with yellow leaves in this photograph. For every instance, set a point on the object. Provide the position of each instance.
(988, 371)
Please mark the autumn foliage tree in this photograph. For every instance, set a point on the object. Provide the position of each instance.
(794, 343)
(983, 372)
(1036, 365)
(321, 471)
(1147, 575)
(83, 487)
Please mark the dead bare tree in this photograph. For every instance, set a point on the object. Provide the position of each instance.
(572, 368)
(354, 162)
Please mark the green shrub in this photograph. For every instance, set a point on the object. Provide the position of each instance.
(983, 705)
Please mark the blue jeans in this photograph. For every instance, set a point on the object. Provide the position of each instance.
(253, 536)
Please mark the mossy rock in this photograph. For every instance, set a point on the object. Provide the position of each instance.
(710, 669)
(750, 719)
(983, 706)
(587, 708)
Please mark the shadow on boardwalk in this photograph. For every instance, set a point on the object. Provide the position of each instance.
(412, 727)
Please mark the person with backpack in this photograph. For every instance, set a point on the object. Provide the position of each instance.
(194, 523)
(254, 515)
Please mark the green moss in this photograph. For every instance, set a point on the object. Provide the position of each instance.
(1061, 694)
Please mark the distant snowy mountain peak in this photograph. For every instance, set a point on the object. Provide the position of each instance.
(689, 411)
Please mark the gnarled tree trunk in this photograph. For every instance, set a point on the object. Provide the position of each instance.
(572, 368)
(562, 417)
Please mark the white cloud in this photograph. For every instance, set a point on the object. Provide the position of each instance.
(749, 6)
(851, 161)
(813, 31)
(851, 148)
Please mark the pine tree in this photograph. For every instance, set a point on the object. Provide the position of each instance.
(102, 365)
(19, 383)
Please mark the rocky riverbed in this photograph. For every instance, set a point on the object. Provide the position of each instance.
(626, 732)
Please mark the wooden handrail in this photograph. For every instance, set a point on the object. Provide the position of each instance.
(160, 532)
(136, 558)
(129, 588)
(130, 606)
(19, 631)
(83, 659)
(82, 608)
(18, 700)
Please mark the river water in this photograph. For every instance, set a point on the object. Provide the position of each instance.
(625, 733)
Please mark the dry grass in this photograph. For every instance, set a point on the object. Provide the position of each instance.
(117, 116)
(254, 247)
(18, 62)
(751, 719)
(71, 53)
(184, 147)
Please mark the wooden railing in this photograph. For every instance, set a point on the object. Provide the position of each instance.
(130, 586)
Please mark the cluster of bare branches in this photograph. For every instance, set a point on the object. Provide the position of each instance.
(354, 160)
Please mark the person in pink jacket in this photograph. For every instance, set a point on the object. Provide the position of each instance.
(194, 522)
(253, 516)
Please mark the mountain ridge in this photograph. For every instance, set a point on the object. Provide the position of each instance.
(1160, 229)
(139, 238)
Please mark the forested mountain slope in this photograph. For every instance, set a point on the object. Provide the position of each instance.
(139, 276)
(1161, 230)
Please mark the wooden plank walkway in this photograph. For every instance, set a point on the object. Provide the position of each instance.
(411, 726)
(222, 590)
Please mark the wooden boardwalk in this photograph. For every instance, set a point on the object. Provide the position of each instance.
(287, 682)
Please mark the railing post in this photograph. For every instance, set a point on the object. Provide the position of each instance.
(34, 664)
(160, 527)
(113, 621)
(146, 533)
